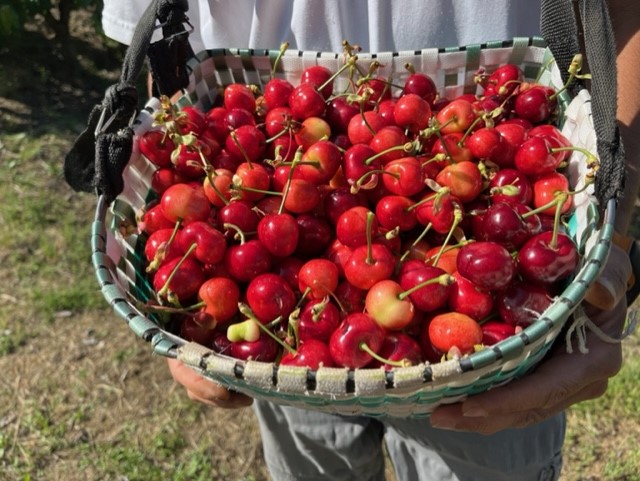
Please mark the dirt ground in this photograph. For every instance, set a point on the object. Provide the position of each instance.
(82, 390)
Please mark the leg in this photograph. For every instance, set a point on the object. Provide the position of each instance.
(420, 452)
(311, 446)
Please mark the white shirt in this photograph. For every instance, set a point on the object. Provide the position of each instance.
(322, 25)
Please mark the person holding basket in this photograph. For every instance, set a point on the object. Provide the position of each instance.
(514, 432)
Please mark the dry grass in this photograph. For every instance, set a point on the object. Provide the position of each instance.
(83, 399)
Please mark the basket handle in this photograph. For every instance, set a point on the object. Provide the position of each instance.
(99, 155)
(562, 24)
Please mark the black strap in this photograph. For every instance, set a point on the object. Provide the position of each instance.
(100, 153)
(566, 25)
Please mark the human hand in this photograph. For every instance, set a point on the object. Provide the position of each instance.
(561, 380)
(205, 390)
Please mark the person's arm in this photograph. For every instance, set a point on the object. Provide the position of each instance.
(565, 379)
(625, 17)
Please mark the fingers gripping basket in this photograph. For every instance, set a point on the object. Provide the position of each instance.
(406, 392)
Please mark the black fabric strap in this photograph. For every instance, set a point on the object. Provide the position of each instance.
(99, 155)
(566, 25)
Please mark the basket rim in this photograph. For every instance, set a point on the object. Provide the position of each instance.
(169, 345)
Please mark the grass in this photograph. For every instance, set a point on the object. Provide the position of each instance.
(81, 398)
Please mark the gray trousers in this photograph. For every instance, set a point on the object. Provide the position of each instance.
(302, 445)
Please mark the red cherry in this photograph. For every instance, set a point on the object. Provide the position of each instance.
(210, 243)
(412, 112)
(247, 260)
(451, 146)
(319, 277)
(495, 331)
(454, 330)
(487, 264)
(535, 157)
(318, 76)
(362, 128)
(465, 297)
(503, 224)
(351, 228)
(546, 188)
(318, 320)
(156, 146)
(463, 178)
(456, 116)
(356, 162)
(221, 296)
(315, 235)
(369, 264)
(522, 303)
(251, 180)
(312, 353)
(154, 219)
(186, 203)
(545, 259)
(158, 249)
(239, 96)
(393, 211)
(432, 290)
(269, 296)
(388, 144)
(338, 113)
(279, 234)
(276, 93)
(239, 213)
(246, 143)
(535, 104)
(265, 349)
(356, 332)
(403, 176)
(421, 84)
(305, 101)
(398, 347)
(320, 162)
(511, 186)
(184, 278)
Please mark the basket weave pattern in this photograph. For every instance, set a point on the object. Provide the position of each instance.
(406, 392)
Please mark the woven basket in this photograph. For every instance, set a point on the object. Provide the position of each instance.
(403, 392)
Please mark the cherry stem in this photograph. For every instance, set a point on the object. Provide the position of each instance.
(318, 309)
(469, 130)
(457, 218)
(287, 186)
(162, 250)
(170, 309)
(348, 64)
(215, 188)
(283, 48)
(234, 137)
(165, 288)
(592, 161)
(445, 279)
(239, 233)
(574, 68)
(424, 232)
(246, 310)
(408, 148)
(357, 185)
(370, 218)
(402, 363)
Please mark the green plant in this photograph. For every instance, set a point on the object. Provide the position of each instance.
(56, 14)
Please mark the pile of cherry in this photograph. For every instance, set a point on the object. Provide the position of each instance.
(383, 225)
